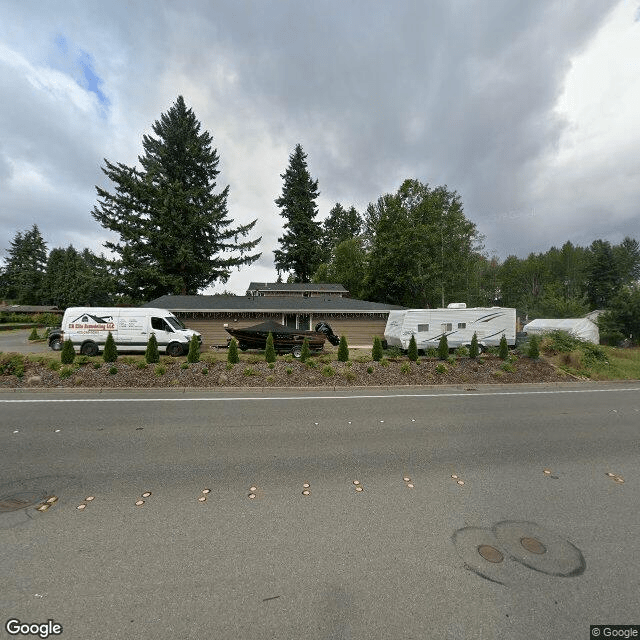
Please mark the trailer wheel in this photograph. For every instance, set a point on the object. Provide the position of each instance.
(89, 349)
(174, 349)
(296, 351)
(242, 346)
(56, 344)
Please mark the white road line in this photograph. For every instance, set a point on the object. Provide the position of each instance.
(319, 397)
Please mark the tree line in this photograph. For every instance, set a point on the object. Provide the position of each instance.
(171, 233)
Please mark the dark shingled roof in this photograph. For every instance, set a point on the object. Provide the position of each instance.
(269, 304)
(296, 286)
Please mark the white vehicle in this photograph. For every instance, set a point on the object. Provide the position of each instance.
(456, 322)
(581, 328)
(88, 328)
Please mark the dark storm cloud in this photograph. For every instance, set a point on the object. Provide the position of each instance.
(450, 92)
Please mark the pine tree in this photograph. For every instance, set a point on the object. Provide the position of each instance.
(503, 351)
(174, 230)
(270, 352)
(343, 349)
(533, 351)
(73, 279)
(152, 355)
(443, 348)
(412, 352)
(305, 354)
(23, 275)
(34, 334)
(232, 354)
(110, 353)
(340, 225)
(194, 349)
(300, 251)
(376, 352)
(68, 354)
(474, 349)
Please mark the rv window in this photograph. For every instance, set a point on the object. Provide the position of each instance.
(447, 326)
(462, 325)
(423, 328)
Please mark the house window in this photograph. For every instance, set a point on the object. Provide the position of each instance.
(423, 328)
(462, 325)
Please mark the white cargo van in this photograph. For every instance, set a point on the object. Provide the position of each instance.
(88, 328)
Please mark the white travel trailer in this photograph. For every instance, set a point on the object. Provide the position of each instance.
(88, 328)
(456, 322)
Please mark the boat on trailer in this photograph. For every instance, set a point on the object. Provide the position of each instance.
(285, 339)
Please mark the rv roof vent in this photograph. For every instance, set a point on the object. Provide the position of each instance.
(456, 305)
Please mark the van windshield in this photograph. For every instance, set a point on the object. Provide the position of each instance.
(175, 323)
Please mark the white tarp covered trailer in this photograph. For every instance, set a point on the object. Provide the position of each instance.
(581, 328)
(458, 324)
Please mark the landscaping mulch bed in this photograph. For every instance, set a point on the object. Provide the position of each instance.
(169, 373)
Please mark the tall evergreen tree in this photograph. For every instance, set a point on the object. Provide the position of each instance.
(23, 275)
(300, 251)
(176, 235)
(339, 226)
(74, 278)
(604, 275)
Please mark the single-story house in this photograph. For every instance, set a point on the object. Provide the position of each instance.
(29, 308)
(358, 320)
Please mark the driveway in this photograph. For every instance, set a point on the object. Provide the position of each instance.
(16, 341)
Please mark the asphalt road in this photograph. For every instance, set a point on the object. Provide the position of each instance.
(560, 550)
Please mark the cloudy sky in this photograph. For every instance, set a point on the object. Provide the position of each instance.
(529, 110)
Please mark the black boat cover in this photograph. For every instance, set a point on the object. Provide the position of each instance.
(269, 326)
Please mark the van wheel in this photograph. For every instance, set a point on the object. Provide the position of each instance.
(56, 344)
(89, 349)
(174, 349)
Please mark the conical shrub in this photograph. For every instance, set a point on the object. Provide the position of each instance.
(533, 351)
(68, 354)
(343, 349)
(376, 352)
(412, 352)
(305, 353)
(503, 351)
(474, 349)
(194, 349)
(232, 354)
(443, 348)
(152, 355)
(110, 353)
(270, 351)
